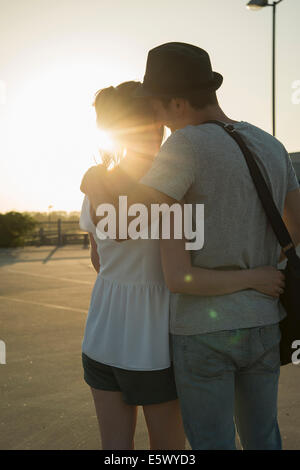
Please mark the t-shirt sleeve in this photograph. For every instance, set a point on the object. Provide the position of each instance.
(85, 221)
(173, 169)
(292, 180)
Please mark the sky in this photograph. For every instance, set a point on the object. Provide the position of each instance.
(55, 54)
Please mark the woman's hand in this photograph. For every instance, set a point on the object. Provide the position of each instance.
(267, 280)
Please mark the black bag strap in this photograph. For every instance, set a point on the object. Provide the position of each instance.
(263, 191)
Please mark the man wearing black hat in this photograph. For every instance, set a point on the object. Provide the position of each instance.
(225, 347)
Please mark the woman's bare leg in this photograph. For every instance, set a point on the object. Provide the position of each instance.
(117, 420)
(165, 426)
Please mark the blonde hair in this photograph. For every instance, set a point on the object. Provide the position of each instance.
(123, 115)
(127, 119)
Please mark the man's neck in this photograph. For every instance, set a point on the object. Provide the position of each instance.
(197, 117)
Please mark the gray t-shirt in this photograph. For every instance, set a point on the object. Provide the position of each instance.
(205, 165)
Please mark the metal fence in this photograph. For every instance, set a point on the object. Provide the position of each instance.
(58, 233)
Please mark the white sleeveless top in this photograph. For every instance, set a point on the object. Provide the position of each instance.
(128, 319)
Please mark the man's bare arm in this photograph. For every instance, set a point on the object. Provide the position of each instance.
(108, 192)
(181, 277)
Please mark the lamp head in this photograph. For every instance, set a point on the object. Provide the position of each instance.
(257, 4)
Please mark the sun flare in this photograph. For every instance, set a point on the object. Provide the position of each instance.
(105, 141)
(106, 149)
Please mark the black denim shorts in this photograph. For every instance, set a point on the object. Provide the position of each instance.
(137, 387)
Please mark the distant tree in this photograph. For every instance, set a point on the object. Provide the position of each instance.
(38, 216)
(59, 215)
(74, 216)
(55, 215)
(14, 227)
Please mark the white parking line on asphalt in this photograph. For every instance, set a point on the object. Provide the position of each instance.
(60, 307)
(76, 281)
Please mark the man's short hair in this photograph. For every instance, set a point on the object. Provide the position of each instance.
(197, 99)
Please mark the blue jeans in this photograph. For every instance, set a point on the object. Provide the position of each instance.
(227, 380)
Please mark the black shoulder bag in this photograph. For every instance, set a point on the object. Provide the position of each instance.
(290, 299)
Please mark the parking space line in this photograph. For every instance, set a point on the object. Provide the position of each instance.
(59, 307)
(75, 281)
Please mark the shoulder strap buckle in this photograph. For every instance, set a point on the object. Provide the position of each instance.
(229, 127)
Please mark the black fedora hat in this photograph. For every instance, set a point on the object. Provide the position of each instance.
(176, 68)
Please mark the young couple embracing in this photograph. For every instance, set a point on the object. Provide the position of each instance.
(191, 336)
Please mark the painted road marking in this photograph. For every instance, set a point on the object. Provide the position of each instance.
(60, 307)
(76, 281)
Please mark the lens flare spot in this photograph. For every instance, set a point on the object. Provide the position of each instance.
(213, 314)
(188, 278)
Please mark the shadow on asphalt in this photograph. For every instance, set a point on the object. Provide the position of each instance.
(9, 256)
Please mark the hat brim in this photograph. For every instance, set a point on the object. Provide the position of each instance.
(144, 92)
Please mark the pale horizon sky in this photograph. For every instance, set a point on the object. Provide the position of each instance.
(55, 54)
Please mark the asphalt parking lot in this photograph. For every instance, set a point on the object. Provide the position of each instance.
(45, 404)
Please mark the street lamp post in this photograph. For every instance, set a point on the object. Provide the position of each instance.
(49, 213)
(257, 5)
